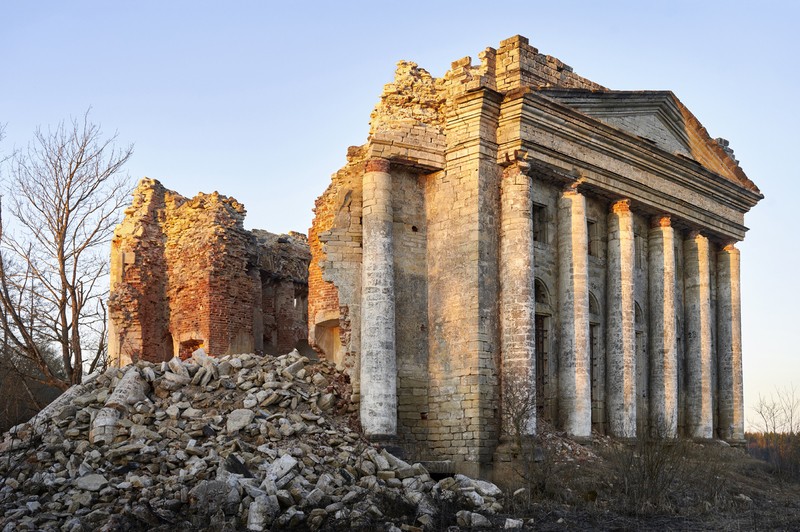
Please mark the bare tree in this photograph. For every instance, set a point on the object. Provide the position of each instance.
(781, 415)
(64, 195)
(778, 439)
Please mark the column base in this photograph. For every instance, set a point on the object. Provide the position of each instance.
(739, 444)
(388, 442)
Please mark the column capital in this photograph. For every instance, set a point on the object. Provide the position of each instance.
(623, 205)
(694, 233)
(662, 220)
(729, 246)
(516, 164)
(571, 189)
(378, 164)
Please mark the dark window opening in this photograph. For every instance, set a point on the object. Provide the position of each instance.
(540, 292)
(539, 223)
(593, 239)
(638, 251)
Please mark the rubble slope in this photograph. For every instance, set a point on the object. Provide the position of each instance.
(242, 442)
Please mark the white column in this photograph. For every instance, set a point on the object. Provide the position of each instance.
(663, 348)
(620, 333)
(697, 289)
(729, 345)
(574, 386)
(517, 302)
(378, 375)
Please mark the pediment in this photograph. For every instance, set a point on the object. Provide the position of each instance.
(658, 117)
(653, 116)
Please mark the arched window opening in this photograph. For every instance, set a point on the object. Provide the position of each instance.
(541, 294)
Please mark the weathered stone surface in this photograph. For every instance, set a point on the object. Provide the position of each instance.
(239, 419)
(729, 326)
(513, 523)
(663, 385)
(262, 511)
(621, 334)
(503, 211)
(92, 482)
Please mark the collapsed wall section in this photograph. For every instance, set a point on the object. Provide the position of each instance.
(334, 274)
(186, 274)
(281, 277)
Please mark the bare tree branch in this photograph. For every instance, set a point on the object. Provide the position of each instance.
(65, 193)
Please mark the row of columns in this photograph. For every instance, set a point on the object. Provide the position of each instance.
(574, 386)
(378, 368)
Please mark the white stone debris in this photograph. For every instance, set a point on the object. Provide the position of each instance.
(152, 446)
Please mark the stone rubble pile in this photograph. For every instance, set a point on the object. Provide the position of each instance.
(241, 442)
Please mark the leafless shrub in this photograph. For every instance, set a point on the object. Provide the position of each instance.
(648, 471)
(519, 407)
(543, 475)
(654, 474)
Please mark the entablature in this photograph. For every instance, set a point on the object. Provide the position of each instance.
(612, 163)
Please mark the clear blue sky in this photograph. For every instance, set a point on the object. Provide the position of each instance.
(260, 100)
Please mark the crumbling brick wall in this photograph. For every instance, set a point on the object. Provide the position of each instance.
(138, 313)
(186, 274)
(334, 277)
(282, 267)
(207, 258)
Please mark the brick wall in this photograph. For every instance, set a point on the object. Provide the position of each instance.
(138, 313)
(186, 274)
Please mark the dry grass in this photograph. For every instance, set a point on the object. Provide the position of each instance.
(649, 484)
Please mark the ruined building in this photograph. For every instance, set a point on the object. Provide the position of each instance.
(514, 231)
(186, 274)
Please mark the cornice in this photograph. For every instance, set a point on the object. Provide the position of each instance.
(612, 146)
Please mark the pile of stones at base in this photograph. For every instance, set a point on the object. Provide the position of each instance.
(241, 442)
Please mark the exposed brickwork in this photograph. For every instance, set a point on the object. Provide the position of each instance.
(137, 308)
(334, 276)
(186, 274)
(206, 251)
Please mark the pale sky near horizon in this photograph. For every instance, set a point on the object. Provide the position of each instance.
(260, 100)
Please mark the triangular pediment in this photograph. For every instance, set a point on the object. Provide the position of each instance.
(658, 117)
(650, 115)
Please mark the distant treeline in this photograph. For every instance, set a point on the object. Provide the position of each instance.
(780, 449)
